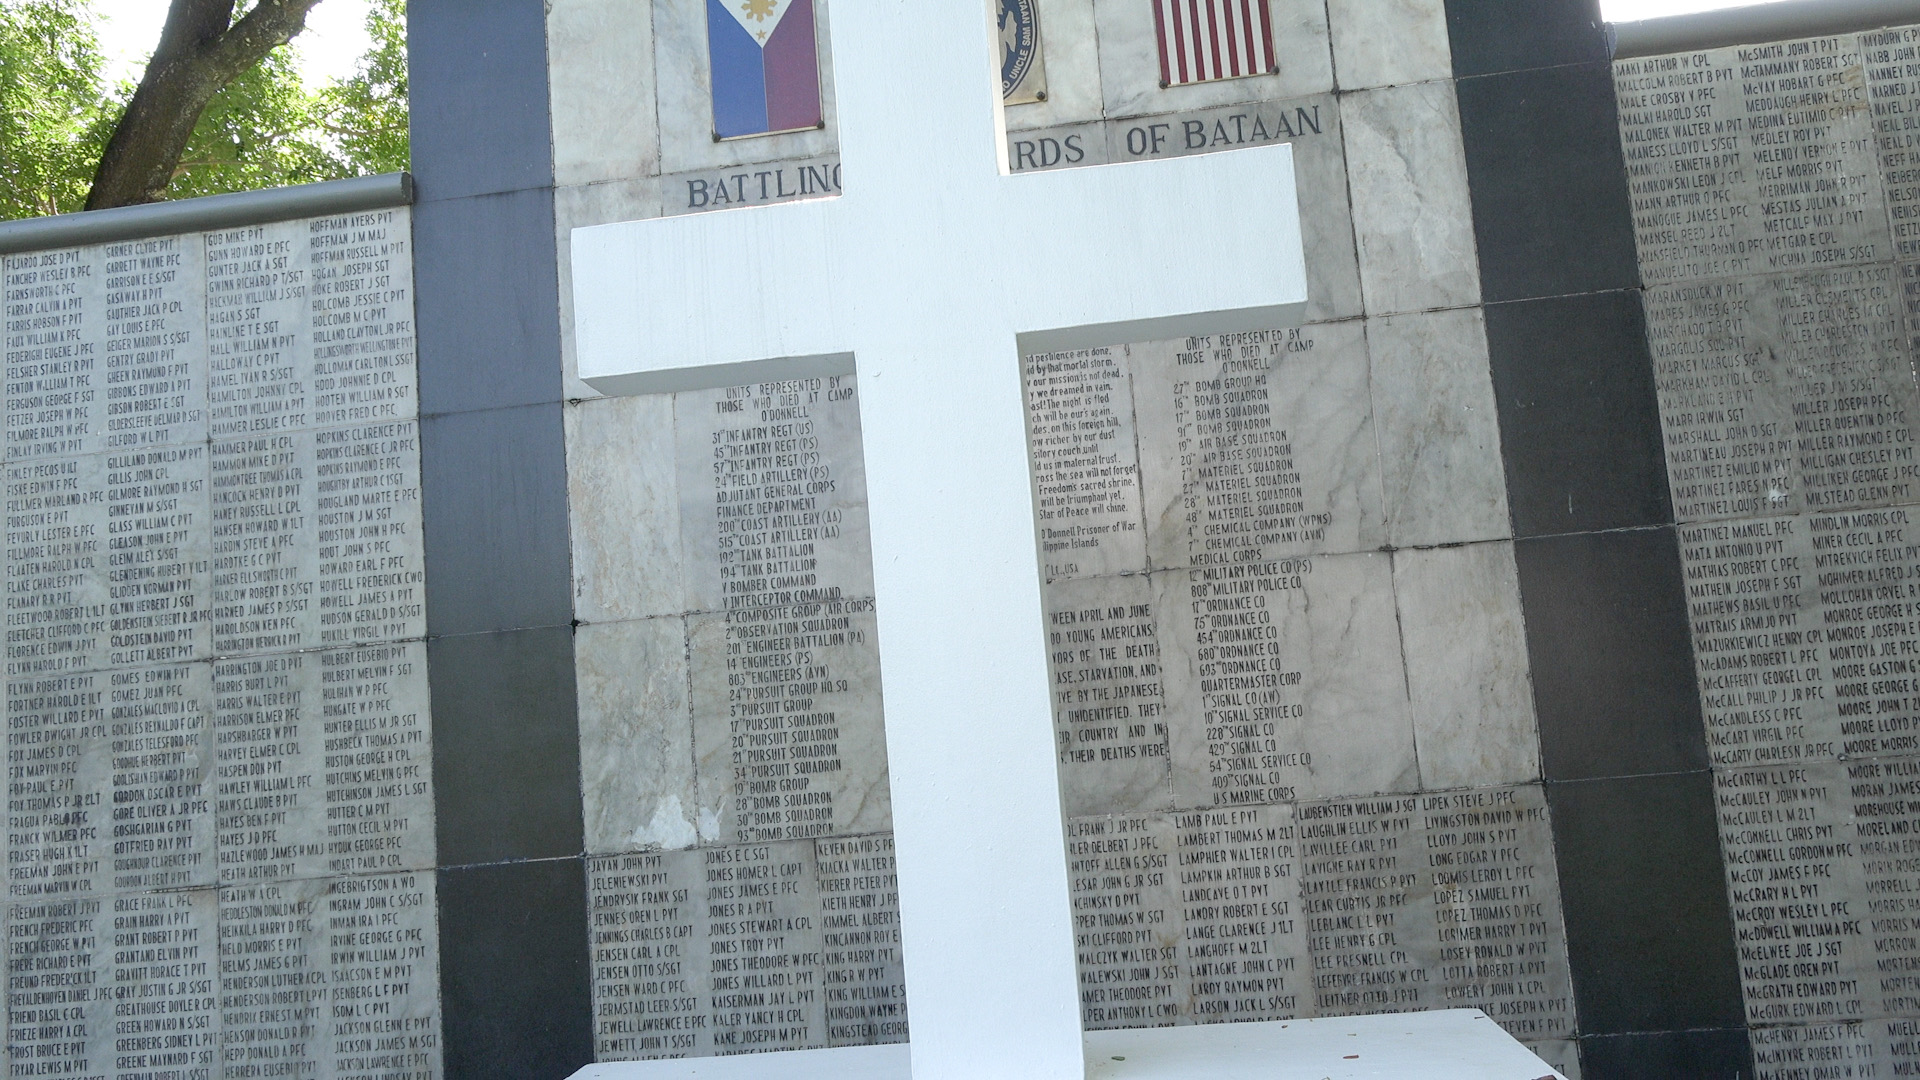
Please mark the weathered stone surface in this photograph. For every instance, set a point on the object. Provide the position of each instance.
(1466, 649)
(1257, 446)
(1390, 43)
(1439, 435)
(601, 68)
(636, 738)
(624, 500)
(217, 689)
(1413, 221)
(1285, 682)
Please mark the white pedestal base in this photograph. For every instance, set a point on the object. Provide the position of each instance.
(1456, 1044)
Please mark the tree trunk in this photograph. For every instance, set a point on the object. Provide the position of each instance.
(201, 50)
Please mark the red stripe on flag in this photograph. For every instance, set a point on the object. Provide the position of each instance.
(1266, 37)
(1192, 49)
(1213, 37)
(1233, 41)
(1199, 42)
(1180, 39)
(1160, 31)
(1253, 37)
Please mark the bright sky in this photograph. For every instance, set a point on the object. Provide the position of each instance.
(1635, 10)
(335, 37)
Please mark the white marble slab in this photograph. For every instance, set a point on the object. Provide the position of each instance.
(1109, 709)
(600, 91)
(1284, 680)
(1388, 42)
(1257, 446)
(1444, 479)
(1467, 668)
(1413, 221)
(624, 501)
(636, 738)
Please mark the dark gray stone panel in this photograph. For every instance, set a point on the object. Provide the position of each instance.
(1513, 35)
(1704, 1054)
(1579, 423)
(506, 760)
(1649, 934)
(1551, 212)
(514, 970)
(489, 322)
(1612, 662)
(495, 510)
(478, 80)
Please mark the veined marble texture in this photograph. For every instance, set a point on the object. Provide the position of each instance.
(1413, 221)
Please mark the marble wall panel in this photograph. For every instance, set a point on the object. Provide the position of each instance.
(55, 330)
(57, 576)
(1109, 704)
(1719, 146)
(1130, 61)
(1442, 474)
(1413, 222)
(1784, 393)
(1387, 44)
(684, 96)
(1257, 446)
(624, 500)
(323, 763)
(1773, 190)
(1086, 463)
(1284, 681)
(217, 691)
(116, 770)
(796, 749)
(1126, 920)
(1333, 908)
(746, 948)
(1467, 674)
(636, 738)
(864, 982)
(772, 494)
(735, 787)
(154, 299)
(600, 91)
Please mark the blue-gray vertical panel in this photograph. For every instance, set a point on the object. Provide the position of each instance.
(487, 282)
(515, 978)
(1648, 926)
(477, 73)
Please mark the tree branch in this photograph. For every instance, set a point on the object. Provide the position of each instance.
(201, 50)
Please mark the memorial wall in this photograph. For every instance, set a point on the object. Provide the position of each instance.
(220, 818)
(1776, 201)
(1292, 697)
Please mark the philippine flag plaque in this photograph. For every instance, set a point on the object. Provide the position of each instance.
(766, 68)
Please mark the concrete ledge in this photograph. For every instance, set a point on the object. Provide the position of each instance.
(1759, 22)
(208, 212)
(1451, 1044)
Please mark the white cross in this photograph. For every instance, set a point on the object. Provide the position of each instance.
(936, 270)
